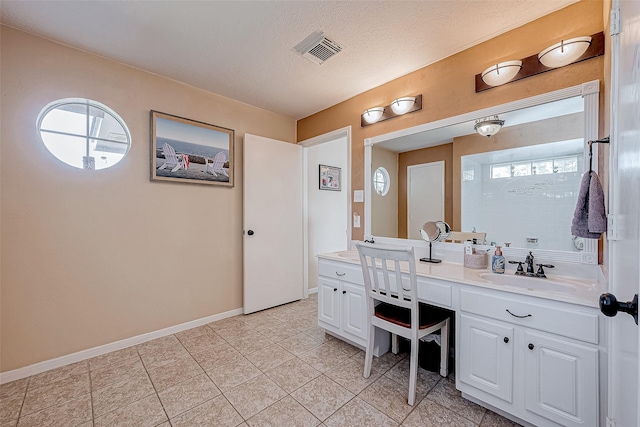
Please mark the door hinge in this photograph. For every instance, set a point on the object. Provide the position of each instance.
(614, 18)
(612, 227)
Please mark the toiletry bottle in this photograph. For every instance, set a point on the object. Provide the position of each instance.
(468, 247)
(497, 262)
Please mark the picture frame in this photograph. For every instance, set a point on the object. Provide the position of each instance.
(189, 151)
(330, 178)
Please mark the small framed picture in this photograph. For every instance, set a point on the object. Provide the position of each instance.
(330, 178)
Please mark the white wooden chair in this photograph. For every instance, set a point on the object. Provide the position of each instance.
(216, 165)
(396, 308)
(171, 159)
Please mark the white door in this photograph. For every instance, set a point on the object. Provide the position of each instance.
(561, 380)
(329, 301)
(354, 310)
(624, 254)
(273, 227)
(425, 196)
(486, 356)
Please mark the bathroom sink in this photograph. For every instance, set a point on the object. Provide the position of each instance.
(532, 283)
(352, 255)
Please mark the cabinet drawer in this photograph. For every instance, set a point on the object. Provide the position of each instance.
(434, 292)
(340, 270)
(558, 319)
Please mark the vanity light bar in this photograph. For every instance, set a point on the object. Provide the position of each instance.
(392, 110)
(531, 65)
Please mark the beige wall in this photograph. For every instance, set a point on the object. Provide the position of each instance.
(448, 86)
(385, 220)
(89, 258)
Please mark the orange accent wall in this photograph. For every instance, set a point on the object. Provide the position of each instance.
(448, 86)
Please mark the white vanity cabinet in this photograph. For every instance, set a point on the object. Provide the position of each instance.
(530, 355)
(342, 308)
(533, 358)
(341, 300)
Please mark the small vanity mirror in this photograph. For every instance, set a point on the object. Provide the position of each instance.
(430, 231)
(434, 231)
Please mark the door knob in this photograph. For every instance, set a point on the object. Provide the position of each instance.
(610, 306)
(250, 232)
(506, 339)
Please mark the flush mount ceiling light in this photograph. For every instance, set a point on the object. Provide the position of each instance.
(565, 52)
(402, 105)
(501, 73)
(372, 115)
(488, 126)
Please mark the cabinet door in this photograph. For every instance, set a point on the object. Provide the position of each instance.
(486, 356)
(354, 310)
(561, 380)
(329, 301)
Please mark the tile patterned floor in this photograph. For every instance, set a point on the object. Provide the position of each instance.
(272, 368)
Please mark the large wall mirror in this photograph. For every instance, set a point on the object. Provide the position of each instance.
(519, 186)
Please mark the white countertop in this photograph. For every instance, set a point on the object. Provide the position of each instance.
(559, 288)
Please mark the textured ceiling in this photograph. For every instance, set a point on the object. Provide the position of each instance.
(243, 49)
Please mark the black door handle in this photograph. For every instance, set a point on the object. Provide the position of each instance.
(506, 339)
(609, 306)
(530, 346)
(250, 232)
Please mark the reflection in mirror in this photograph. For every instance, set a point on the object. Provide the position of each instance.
(524, 195)
(536, 161)
(430, 231)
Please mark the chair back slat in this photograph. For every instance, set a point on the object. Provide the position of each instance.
(380, 265)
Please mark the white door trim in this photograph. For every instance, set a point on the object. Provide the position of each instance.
(344, 132)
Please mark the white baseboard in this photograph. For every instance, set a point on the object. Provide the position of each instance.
(47, 365)
(313, 290)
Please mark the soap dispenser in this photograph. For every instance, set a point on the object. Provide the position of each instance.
(497, 262)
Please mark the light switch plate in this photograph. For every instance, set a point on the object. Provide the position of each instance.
(358, 196)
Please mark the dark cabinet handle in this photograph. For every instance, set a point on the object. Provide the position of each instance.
(250, 232)
(344, 292)
(519, 317)
(506, 339)
(340, 274)
(530, 346)
(335, 289)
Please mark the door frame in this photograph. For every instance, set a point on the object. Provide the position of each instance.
(344, 132)
(612, 234)
(422, 165)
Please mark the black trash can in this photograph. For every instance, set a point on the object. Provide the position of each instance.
(429, 355)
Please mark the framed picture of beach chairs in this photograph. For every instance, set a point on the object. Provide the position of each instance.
(184, 150)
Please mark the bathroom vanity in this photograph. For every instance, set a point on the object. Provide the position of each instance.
(530, 348)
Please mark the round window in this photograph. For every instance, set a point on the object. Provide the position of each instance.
(381, 181)
(83, 133)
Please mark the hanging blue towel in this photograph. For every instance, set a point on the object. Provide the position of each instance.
(590, 217)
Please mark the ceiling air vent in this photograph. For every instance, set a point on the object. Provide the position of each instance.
(317, 47)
